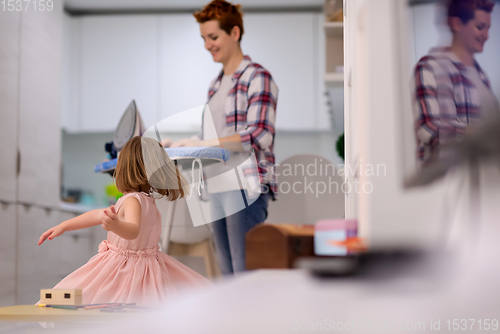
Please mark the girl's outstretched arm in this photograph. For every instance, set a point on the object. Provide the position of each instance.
(127, 222)
(88, 219)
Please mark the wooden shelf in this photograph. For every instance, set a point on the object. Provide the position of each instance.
(334, 29)
(334, 79)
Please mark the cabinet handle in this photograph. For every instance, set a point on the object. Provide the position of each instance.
(18, 162)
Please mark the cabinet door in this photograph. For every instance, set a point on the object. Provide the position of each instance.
(39, 106)
(9, 83)
(37, 266)
(71, 59)
(187, 69)
(77, 246)
(42, 267)
(324, 93)
(7, 254)
(286, 45)
(119, 63)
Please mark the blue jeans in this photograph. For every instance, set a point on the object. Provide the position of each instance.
(229, 232)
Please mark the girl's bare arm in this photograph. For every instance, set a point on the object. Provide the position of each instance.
(88, 219)
(127, 222)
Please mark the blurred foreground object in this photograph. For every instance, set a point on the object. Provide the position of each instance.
(481, 143)
(278, 246)
(330, 236)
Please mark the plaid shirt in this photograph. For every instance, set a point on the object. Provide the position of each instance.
(445, 100)
(253, 99)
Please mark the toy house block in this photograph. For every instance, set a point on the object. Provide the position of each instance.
(61, 296)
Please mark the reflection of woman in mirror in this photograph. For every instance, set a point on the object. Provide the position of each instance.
(451, 89)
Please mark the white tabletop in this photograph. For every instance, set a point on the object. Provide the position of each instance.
(291, 301)
(288, 301)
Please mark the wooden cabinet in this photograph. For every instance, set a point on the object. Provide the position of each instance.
(119, 62)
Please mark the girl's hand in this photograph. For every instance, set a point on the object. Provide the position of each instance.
(110, 219)
(51, 234)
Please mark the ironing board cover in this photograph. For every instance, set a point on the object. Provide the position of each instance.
(177, 153)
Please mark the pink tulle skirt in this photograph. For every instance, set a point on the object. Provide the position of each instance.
(146, 277)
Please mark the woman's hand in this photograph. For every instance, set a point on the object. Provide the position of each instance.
(110, 219)
(166, 142)
(51, 234)
(188, 143)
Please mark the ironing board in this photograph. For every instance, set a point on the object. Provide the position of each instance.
(183, 157)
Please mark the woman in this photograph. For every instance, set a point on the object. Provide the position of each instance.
(452, 91)
(240, 117)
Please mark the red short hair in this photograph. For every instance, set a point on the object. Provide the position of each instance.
(227, 14)
(464, 9)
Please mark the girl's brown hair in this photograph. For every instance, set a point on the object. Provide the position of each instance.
(227, 14)
(130, 173)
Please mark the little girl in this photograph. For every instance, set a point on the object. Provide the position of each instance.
(129, 267)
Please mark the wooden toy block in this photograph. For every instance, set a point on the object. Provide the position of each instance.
(61, 296)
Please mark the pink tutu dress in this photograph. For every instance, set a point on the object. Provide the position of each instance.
(133, 271)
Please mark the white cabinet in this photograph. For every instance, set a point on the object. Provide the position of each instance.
(77, 247)
(39, 106)
(42, 267)
(286, 44)
(9, 79)
(187, 68)
(119, 62)
(71, 72)
(161, 62)
(7, 254)
(33, 260)
(30, 45)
